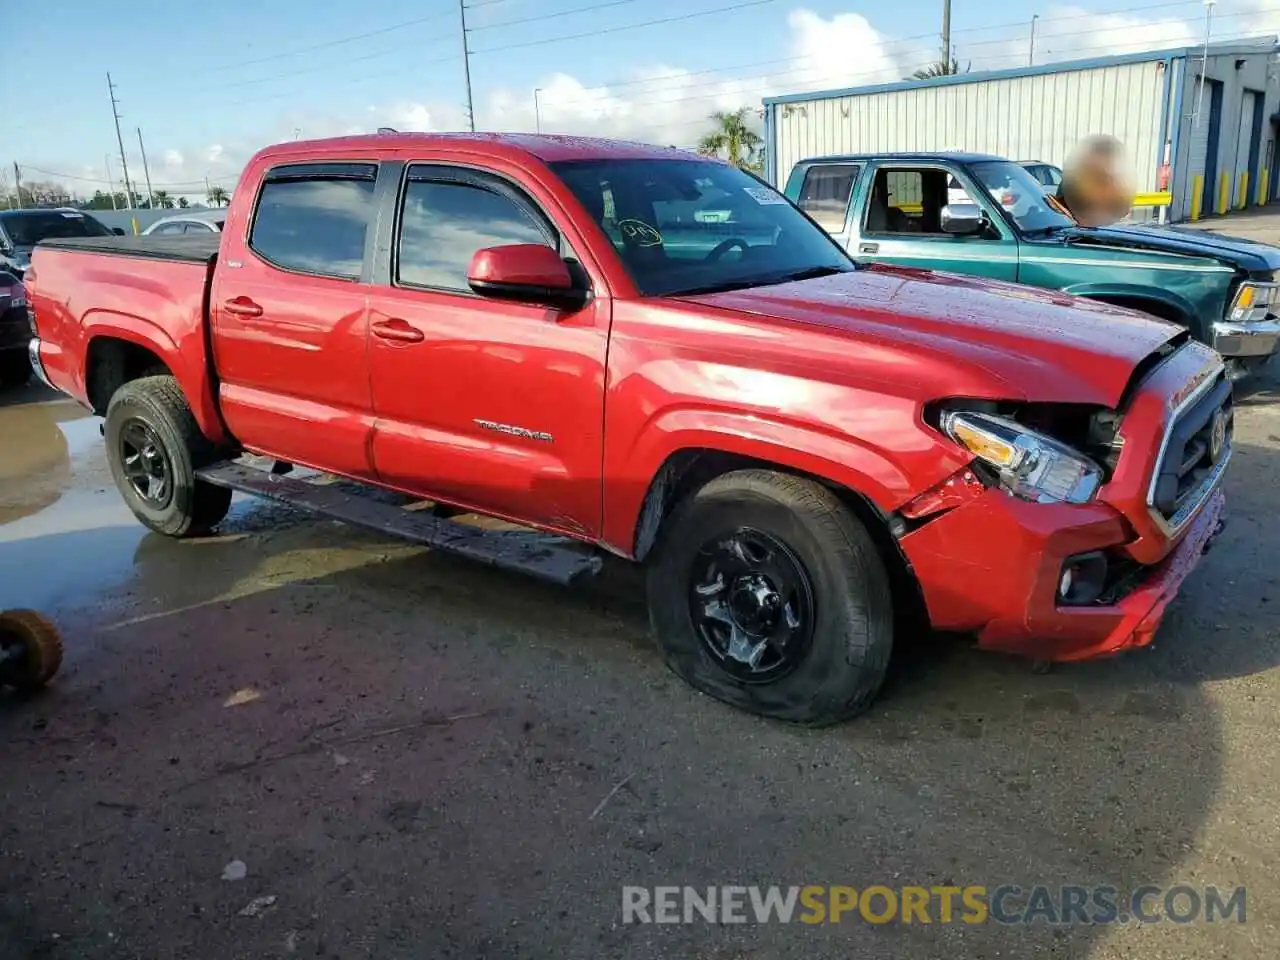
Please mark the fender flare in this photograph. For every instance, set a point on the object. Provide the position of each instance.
(840, 460)
(109, 324)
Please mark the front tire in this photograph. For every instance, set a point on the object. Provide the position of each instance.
(766, 592)
(154, 447)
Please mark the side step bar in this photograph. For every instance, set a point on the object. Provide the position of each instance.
(543, 555)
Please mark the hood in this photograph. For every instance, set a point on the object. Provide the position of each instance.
(1187, 241)
(1028, 343)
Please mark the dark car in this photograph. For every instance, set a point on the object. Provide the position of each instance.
(21, 230)
(15, 331)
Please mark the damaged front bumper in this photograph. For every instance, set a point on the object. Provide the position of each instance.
(993, 567)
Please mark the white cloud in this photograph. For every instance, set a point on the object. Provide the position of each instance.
(668, 104)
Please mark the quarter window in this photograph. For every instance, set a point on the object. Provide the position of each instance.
(444, 222)
(316, 223)
(825, 193)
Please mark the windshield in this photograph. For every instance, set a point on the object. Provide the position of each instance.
(686, 226)
(1021, 195)
(27, 229)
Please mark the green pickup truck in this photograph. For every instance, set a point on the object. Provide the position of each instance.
(976, 214)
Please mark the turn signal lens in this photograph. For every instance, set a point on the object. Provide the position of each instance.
(983, 443)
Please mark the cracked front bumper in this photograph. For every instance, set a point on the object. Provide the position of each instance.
(992, 568)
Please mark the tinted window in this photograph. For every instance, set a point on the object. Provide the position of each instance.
(443, 224)
(28, 229)
(681, 226)
(314, 225)
(825, 194)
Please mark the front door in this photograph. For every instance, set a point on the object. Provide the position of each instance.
(489, 404)
(288, 307)
(901, 222)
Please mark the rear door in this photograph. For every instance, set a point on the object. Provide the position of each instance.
(899, 221)
(495, 405)
(290, 318)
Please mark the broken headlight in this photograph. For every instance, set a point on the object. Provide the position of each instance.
(1028, 464)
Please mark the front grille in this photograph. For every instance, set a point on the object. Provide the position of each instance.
(1197, 445)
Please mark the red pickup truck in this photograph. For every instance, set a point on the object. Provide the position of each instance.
(636, 350)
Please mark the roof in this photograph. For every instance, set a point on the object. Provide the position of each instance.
(957, 155)
(1227, 48)
(546, 147)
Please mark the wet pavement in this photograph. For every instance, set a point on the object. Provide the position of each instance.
(298, 739)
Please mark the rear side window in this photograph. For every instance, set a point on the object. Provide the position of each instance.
(825, 193)
(443, 224)
(315, 219)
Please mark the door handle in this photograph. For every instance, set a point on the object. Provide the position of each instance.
(397, 331)
(868, 248)
(242, 307)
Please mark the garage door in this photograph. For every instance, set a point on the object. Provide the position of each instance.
(1201, 203)
(1244, 145)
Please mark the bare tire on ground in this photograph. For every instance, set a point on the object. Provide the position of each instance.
(15, 368)
(154, 446)
(766, 592)
(33, 650)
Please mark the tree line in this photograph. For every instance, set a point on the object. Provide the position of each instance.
(47, 193)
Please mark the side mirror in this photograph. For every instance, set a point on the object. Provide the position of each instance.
(528, 272)
(963, 219)
(118, 231)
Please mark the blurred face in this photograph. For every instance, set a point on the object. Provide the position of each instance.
(1095, 184)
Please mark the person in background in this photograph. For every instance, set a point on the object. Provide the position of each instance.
(1096, 186)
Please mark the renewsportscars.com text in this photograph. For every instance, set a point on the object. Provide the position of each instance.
(1007, 904)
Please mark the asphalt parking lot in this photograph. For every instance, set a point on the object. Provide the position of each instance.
(298, 739)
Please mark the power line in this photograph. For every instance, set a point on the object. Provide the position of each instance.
(628, 26)
(83, 179)
(330, 43)
(554, 15)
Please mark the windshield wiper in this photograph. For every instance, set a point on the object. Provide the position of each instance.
(808, 273)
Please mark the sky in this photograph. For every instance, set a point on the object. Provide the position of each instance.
(210, 84)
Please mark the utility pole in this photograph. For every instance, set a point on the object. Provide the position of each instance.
(151, 197)
(1031, 54)
(537, 110)
(124, 164)
(207, 190)
(946, 35)
(111, 187)
(17, 182)
(466, 66)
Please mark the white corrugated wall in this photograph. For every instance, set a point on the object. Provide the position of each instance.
(1022, 118)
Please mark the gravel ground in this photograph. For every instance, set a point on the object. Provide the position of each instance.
(298, 739)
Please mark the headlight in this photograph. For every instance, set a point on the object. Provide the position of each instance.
(1030, 465)
(1253, 301)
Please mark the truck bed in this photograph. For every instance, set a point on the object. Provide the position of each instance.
(194, 248)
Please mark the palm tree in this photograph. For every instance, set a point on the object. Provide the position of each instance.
(217, 197)
(940, 68)
(733, 138)
(161, 198)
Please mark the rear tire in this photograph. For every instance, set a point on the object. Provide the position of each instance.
(154, 447)
(41, 648)
(806, 556)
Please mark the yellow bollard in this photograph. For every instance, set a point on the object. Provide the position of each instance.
(1197, 195)
(1224, 191)
(1242, 192)
(1263, 177)
(134, 221)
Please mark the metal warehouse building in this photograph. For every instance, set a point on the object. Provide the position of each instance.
(1213, 119)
